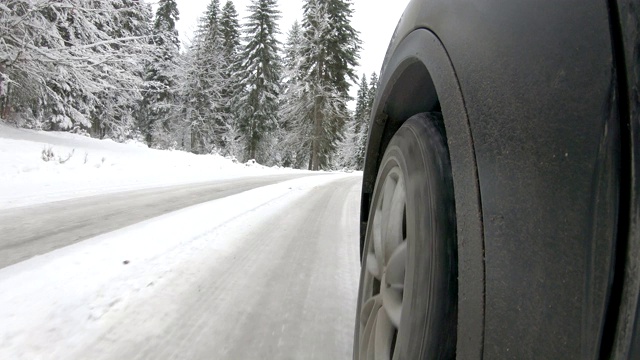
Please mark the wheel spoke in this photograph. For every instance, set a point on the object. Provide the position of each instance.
(387, 201)
(397, 266)
(376, 249)
(393, 232)
(367, 310)
(369, 313)
(371, 340)
(383, 336)
(393, 284)
(373, 267)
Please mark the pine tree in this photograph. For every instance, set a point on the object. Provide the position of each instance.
(180, 126)
(261, 80)
(213, 59)
(295, 129)
(230, 32)
(361, 120)
(61, 63)
(205, 107)
(330, 56)
(160, 77)
(362, 102)
(373, 88)
(114, 115)
(345, 157)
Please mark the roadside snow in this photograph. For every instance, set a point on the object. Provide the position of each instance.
(53, 305)
(98, 166)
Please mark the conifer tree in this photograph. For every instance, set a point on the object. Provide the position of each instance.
(362, 102)
(361, 120)
(261, 76)
(160, 76)
(330, 56)
(114, 115)
(295, 129)
(61, 63)
(373, 88)
(205, 101)
(230, 32)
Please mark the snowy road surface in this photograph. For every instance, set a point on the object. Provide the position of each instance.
(270, 273)
(38, 229)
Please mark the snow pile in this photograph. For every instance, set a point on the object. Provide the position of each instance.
(37, 167)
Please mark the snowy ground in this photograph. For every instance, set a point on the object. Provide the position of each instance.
(98, 166)
(267, 273)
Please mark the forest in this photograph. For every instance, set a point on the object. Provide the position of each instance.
(116, 69)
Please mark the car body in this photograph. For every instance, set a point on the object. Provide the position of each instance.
(540, 101)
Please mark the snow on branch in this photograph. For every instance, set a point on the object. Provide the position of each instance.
(63, 60)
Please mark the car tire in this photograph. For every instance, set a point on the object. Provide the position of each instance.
(407, 301)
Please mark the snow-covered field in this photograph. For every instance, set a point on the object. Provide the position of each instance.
(82, 166)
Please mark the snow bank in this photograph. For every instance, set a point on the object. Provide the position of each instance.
(38, 167)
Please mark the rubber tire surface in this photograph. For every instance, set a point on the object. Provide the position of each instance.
(429, 315)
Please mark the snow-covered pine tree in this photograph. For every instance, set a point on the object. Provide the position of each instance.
(114, 115)
(295, 104)
(330, 56)
(194, 100)
(206, 104)
(71, 101)
(192, 129)
(346, 149)
(160, 76)
(230, 30)
(261, 81)
(352, 148)
(58, 58)
(373, 88)
(362, 102)
(361, 121)
(179, 125)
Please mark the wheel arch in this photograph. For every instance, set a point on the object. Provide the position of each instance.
(419, 77)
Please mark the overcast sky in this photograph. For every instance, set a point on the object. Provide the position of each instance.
(374, 19)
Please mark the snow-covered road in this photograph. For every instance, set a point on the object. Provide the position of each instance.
(32, 230)
(269, 273)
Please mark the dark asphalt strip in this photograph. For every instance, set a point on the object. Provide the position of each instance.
(34, 230)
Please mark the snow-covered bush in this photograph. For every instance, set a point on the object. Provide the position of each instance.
(62, 161)
(47, 154)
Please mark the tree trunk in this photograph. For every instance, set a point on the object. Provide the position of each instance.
(6, 103)
(316, 135)
(317, 121)
(4, 96)
(252, 140)
(194, 141)
(310, 155)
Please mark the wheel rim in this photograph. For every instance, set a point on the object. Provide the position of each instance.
(384, 278)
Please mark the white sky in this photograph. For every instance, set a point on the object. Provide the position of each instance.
(374, 19)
